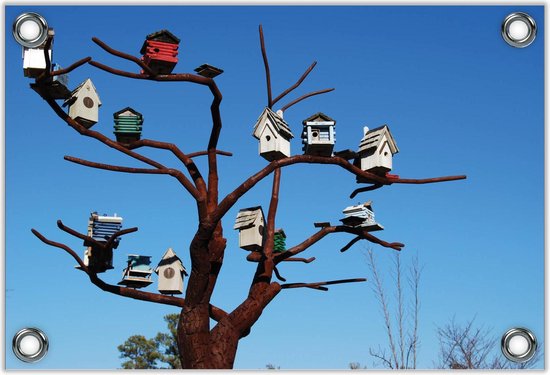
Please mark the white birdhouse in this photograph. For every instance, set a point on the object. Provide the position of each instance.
(84, 104)
(250, 223)
(376, 151)
(318, 135)
(138, 272)
(170, 273)
(274, 135)
(34, 61)
(362, 216)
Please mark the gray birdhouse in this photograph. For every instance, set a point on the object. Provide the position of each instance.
(274, 135)
(250, 223)
(101, 228)
(318, 135)
(84, 104)
(138, 272)
(376, 151)
(362, 216)
(170, 271)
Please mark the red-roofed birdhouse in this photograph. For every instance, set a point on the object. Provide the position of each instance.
(160, 51)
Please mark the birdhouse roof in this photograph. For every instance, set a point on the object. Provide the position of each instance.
(351, 210)
(373, 139)
(106, 219)
(269, 117)
(247, 216)
(319, 117)
(170, 258)
(209, 71)
(87, 84)
(281, 232)
(138, 260)
(163, 35)
(128, 111)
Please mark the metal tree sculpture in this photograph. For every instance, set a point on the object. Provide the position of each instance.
(201, 346)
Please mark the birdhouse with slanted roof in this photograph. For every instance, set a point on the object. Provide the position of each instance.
(84, 104)
(128, 125)
(160, 51)
(318, 135)
(274, 135)
(251, 225)
(362, 216)
(138, 272)
(376, 151)
(170, 271)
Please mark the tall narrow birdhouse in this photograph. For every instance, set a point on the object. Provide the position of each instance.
(274, 135)
(34, 59)
(279, 241)
(318, 136)
(84, 104)
(160, 51)
(128, 125)
(376, 151)
(362, 216)
(138, 272)
(250, 223)
(101, 228)
(170, 271)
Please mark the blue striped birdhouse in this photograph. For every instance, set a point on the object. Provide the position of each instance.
(318, 135)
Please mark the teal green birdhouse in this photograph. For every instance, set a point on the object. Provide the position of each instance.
(279, 241)
(128, 125)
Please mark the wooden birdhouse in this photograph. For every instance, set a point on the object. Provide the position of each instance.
(318, 136)
(208, 71)
(56, 88)
(362, 216)
(170, 271)
(138, 272)
(376, 151)
(128, 125)
(279, 241)
(250, 223)
(34, 59)
(274, 135)
(101, 228)
(160, 51)
(84, 104)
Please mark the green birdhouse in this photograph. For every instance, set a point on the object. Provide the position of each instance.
(279, 241)
(128, 125)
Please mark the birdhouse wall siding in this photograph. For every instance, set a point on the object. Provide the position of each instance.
(318, 140)
(380, 159)
(85, 109)
(273, 146)
(170, 280)
(34, 62)
(252, 238)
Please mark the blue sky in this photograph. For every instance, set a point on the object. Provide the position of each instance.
(457, 99)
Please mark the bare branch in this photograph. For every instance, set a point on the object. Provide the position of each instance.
(321, 283)
(350, 244)
(266, 65)
(123, 55)
(295, 101)
(202, 153)
(115, 168)
(72, 67)
(366, 188)
(278, 275)
(293, 87)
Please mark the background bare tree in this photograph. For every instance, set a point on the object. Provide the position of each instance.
(401, 324)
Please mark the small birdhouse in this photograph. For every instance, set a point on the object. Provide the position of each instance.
(250, 223)
(318, 135)
(138, 272)
(34, 59)
(376, 151)
(128, 124)
(208, 71)
(101, 228)
(56, 88)
(279, 241)
(362, 216)
(160, 51)
(84, 104)
(274, 135)
(170, 271)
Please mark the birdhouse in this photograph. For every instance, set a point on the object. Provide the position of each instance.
(362, 216)
(128, 124)
(318, 135)
(274, 135)
(160, 51)
(34, 58)
(208, 71)
(138, 272)
(279, 241)
(56, 88)
(170, 271)
(84, 104)
(376, 151)
(250, 223)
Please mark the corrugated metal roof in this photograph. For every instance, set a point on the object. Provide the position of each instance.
(280, 125)
(373, 138)
(247, 217)
(319, 116)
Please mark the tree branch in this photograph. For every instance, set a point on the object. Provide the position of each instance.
(293, 87)
(123, 55)
(295, 101)
(115, 168)
(266, 65)
(202, 153)
(215, 312)
(321, 283)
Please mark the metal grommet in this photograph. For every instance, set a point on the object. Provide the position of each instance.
(519, 345)
(30, 345)
(519, 29)
(30, 30)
